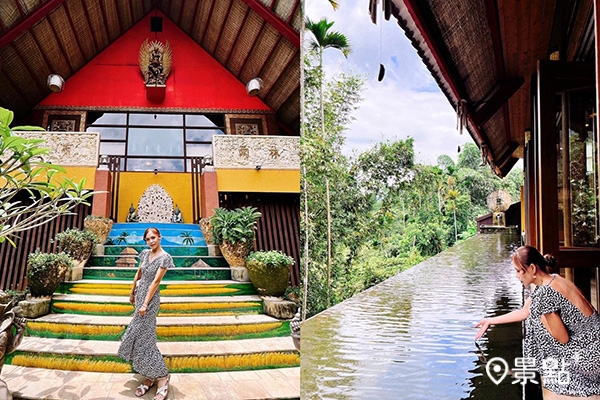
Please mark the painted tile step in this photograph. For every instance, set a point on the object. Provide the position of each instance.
(170, 306)
(44, 384)
(169, 328)
(168, 288)
(178, 261)
(161, 321)
(100, 347)
(172, 234)
(183, 274)
(193, 250)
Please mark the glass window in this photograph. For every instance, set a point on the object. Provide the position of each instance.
(201, 135)
(156, 119)
(208, 120)
(198, 150)
(112, 148)
(151, 141)
(109, 133)
(577, 176)
(150, 164)
(109, 119)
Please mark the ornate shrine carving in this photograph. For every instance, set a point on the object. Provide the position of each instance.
(156, 205)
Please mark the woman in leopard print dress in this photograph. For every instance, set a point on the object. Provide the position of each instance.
(139, 340)
(562, 328)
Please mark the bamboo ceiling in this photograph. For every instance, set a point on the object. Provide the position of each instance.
(40, 37)
(485, 53)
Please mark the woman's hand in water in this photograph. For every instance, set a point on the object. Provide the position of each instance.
(483, 326)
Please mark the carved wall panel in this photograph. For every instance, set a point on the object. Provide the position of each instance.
(268, 152)
(68, 148)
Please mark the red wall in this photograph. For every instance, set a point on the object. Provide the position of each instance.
(113, 78)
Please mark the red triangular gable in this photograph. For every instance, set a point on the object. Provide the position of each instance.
(113, 79)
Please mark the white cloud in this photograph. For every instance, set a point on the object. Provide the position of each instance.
(407, 102)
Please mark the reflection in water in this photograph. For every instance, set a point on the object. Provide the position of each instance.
(411, 337)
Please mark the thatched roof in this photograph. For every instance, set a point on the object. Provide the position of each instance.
(248, 37)
(486, 52)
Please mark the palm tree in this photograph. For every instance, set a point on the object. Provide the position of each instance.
(122, 239)
(188, 240)
(324, 39)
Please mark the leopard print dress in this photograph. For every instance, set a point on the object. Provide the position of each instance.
(138, 343)
(572, 368)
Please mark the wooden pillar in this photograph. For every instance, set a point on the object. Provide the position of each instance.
(102, 197)
(209, 192)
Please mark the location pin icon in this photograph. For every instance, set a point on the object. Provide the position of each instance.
(497, 366)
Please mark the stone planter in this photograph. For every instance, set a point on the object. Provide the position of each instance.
(207, 230)
(235, 255)
(75, 273)
(269, 280)
(44, 280)
(35, 307)
(100, 226)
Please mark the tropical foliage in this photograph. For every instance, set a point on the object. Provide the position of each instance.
(371, 215)
(31, 192)
(78, 244)
(234, 226)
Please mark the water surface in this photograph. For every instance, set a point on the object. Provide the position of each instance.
(411, 337)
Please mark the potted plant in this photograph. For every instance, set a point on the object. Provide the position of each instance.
(233, 231)
(101, 226)
(269, 272)
(78, 245)
(45, 271)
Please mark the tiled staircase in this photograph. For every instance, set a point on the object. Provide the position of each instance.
(215, 339)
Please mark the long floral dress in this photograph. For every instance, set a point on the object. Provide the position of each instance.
(138, 343)
(572, 368)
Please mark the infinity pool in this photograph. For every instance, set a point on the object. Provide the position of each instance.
(411, 337)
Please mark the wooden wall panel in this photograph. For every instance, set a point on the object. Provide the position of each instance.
(279, 226)
(13, 267)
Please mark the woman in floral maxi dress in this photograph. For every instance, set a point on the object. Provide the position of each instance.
(139, 341)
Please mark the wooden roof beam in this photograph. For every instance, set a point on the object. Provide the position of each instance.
(273, 19)
(498, 99)
(32, 19)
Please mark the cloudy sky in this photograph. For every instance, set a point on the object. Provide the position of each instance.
(407, 102)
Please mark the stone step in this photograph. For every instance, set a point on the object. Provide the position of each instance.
(179, 274)
(101, 356)
(170, 306)
(169, 329)
(168, 349)
(43, 384)
(178, 261)
(168, 288)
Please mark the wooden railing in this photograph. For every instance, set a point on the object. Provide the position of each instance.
(279, 226)
(13, 267)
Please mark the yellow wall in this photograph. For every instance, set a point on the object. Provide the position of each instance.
(76, 174)
(244, 180)
(134, 184)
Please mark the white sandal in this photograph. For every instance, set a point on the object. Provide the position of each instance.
(143, 388)
(161, 392)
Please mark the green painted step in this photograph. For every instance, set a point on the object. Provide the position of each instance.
(179, 261)
(172, 250)
(167, 289)
(120, 306)
(169, 329)
(101, 356)
(173, 274)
